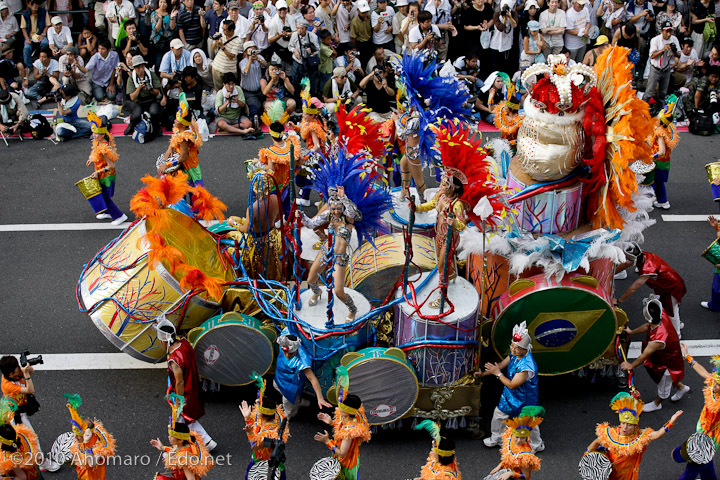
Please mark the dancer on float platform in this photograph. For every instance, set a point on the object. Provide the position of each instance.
(103, 158)
(441, 463)
(350, 429)
(93, 444)
(185, 143)
(626, 443)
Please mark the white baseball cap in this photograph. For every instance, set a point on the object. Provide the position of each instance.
(176, 43)
(401, 3)
(281, 4)
(362, 6)
(531, 3)
(3, 6)
(56, 20)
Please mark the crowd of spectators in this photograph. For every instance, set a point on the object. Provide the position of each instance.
(233, 59)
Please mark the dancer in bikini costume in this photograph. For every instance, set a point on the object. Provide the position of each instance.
(626, 443)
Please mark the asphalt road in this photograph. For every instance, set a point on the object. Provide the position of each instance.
(38, 311)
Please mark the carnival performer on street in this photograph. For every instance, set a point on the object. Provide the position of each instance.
(441, 463)
(185, 458)
(263, 421)
(661, 354)
(293, 367)
(664, 140)
(660, 277)
(276, 159)
(93, 444)
(423, 98)
(626, 443)
(698, 452)
(521, 387)
(709, 421)
(517, 457)
(313, 131)
(183, 378)
(350, 428)
(353, 202)
(185, 143)
(714, 303)
(507, 117)
(20, 453)
(103, 157)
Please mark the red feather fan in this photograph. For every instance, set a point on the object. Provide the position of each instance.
(547, 93)
(206, 205)
(594, 124)
(358, 132)
(195, 279)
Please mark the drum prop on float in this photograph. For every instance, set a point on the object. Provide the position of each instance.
(229, 348)
(384, 380)
(571, 322)
(441, 351)
(399, 216)
(124, 296)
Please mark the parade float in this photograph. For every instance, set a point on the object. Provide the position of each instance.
(537, 234)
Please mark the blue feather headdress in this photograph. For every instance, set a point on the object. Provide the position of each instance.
(341, 169)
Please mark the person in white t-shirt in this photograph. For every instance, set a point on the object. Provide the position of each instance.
(578, 24)
(381, 21)
(59, 37)
(425, 34)
(46, 73)
(685, 64)
(344, 11)
(664, 49)
(115, 12)
(552, 26)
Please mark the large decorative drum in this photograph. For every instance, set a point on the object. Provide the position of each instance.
(572, 321)
(229, 348)
(399, 215)
(124, 296)
(384, 380)
(443, 350)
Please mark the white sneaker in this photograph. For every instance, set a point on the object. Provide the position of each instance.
(119, 220)
(103, 216)
(303, 202)
(490, 443)
(621, 275)
(211, 445)
(49, 466)
(705, 305)
(651, 407)
(664, 206)
(680, 393)
(540, 448)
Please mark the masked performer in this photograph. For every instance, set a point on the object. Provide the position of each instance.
(626, 443)
(664, 140)
(441, 463)
(184, 146)
(353, 203)
(350, 429)
(424, 98)
(20, 452)
(263, 421)
(103, 157)
(517, 457)
(186, 458)
(93, 444)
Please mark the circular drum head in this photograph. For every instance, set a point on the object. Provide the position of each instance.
(228, 352)
(700, 448)
(259, 471)
(325, 469)
(60, 451)
(595, 466)
(388, 387)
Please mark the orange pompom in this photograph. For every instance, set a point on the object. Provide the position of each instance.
(144, 205)
(206, 205)
(160, 251)
(168, 189)
(195, 279)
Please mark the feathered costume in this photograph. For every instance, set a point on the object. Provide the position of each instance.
(153, 203)
(509, 126)
(313, 124)
(24, 442)
(355, 428)
(190, 134)
(102, 152)
(666, 131)
(90, 456)
(194, 456)
(259, 428)
(709, 421)
(276, 157)
(625, 452)
(433, 469)
(358, 133)
(445, 97)
(517, 457)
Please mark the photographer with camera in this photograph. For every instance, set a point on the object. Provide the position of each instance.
(340, 89)
(707, 90)
(305, 48)
(17, 385)
(382, 23)
(230, 107)
(280, 29)
(276, 85)
(71, 73)
(227, 49)
(361, 31)
(252, 66)
(68, 104)
(424, 36)
(46, 73)
(664, 48)
(134, 43)
(59, 37)
(142, 94)
(379, 93)
(259, 20)
(350, 61)
(214, 18)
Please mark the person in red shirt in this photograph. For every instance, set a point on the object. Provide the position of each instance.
(661, 354)
(664, 280)
(183, 378)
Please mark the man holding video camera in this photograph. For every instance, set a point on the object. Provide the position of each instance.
(17, 384)
(663, 50)
(227, 47)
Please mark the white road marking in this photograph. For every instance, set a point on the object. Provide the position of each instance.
(686, 218)
(122, 361)
(49, 227)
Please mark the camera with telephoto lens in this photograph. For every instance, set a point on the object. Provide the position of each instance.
(505, 9)
(25, 361)
(261, 18)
